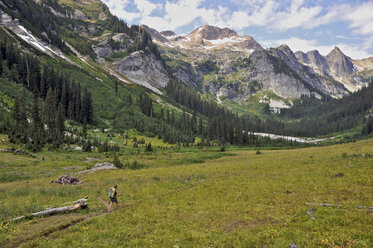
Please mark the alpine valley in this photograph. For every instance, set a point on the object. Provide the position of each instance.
(214, 140)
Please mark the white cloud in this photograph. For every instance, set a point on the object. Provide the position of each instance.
(268, 13)
(361, 18)
(118, 8)
(272, 15)
(185, 12)
(355, 51)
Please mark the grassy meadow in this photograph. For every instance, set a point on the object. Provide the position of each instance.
(194, 197)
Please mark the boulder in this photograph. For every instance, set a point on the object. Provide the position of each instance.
(67, 179)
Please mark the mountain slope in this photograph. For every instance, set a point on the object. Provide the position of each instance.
(88, 31)
(229, 76)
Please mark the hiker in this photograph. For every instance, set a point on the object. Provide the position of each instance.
(113, 196)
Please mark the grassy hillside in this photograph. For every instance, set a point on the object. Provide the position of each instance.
(193, 198)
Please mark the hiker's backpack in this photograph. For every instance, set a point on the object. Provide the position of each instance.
(112, 191)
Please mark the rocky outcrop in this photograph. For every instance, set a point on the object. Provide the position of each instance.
(144, 69)
(103, 49)
(314, 83)
(208, 32)
(155, 34)
(206, 38)
(337, 67)
(315, 61)
(340, 65)
(168, 33)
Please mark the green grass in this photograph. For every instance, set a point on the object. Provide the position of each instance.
(197, 198)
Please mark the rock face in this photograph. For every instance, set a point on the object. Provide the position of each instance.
(103, 49)
(144, 69)
(168, 33)
(308, 77)
(340, 65)
(234, 67)
(208, 32)
(229, 66)
(205, 38)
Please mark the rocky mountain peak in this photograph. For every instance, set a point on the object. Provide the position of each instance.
(285, 49)
(168, 33)
(154, 33)
(336, 52)
(208, 32)
(341, 66)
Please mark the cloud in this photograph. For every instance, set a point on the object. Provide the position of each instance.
(361, 18)
(144, 7)
(354, 21)
(355, 51)
(274, 15)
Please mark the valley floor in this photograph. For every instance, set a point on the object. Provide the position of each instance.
(271, 199)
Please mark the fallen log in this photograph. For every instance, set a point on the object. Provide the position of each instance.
(80, 204)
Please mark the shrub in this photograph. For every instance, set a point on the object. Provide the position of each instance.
(134, 165)
(117, 162)
(148, 148)
(258, 152)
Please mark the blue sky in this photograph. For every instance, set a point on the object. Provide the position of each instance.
(301, 24)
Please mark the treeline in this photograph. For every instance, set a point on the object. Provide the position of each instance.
(216, 122)
(28, 71)
(37, 18)
(63, 99)
(318, 117)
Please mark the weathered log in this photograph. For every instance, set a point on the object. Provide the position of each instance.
(81, 204)
(77, 201)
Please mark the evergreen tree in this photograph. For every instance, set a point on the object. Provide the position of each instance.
(37, 124)
(37, 131)
(50, 111)
(1, 65)
(116, 87)
(60, 123)
(16, 110)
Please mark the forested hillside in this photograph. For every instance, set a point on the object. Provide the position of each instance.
(53, 100)
(318, 117)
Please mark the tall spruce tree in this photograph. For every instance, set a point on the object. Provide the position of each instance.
(1, 64)
(37, 129)
(60, 124)
(50, 111)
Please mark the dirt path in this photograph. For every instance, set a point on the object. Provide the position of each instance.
(59, 226)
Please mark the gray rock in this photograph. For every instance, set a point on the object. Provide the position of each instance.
(144, 69)
(19, 152)
(100, 166)
(103, 49)
(294, 245)
(67, 179)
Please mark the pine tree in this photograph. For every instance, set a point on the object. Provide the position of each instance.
(16, 110)
(1, 64)
(50, 111)
(37, 130)
(60, 123)
(116, 87)
(22, 111)
(36, 120)
(87, 107)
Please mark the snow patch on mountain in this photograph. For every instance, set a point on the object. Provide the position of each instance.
(29, 38)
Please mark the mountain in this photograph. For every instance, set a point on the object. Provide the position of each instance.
(95, 37)
(222, 63)
(352, 73)
(205, 38)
